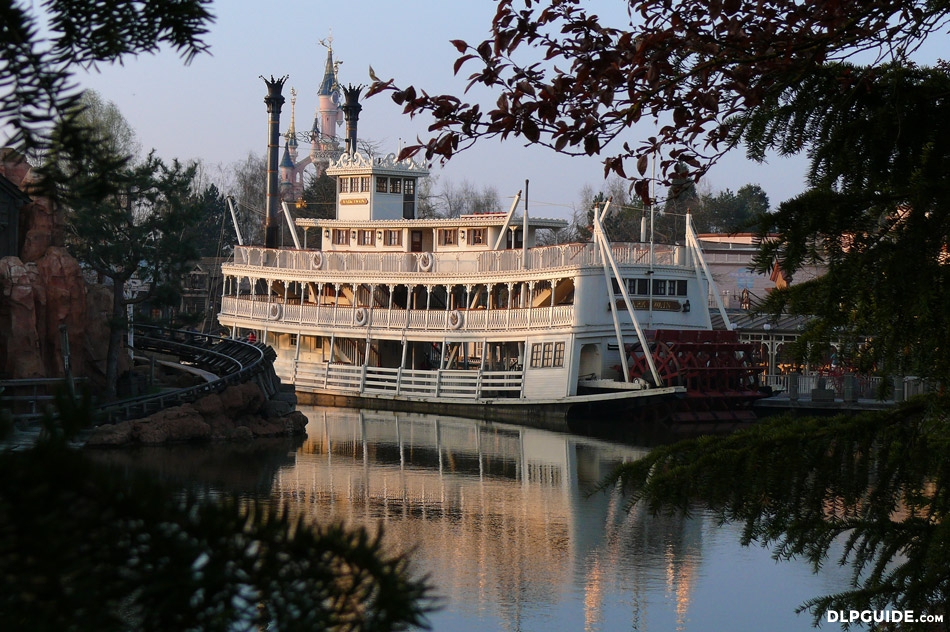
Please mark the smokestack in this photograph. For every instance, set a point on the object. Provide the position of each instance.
(351, 112)
(274, 101)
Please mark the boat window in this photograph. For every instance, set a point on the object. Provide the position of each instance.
(382, 184)
(395, 185)
(547, 354)
(477, 235)
(341, 237)
(659, 287)
(344, 185)
(448, 236)
(366, 238)
(558, 354)
(680, 287)
(410, 186)
(535, 355)
(393, 237)
(364, 184)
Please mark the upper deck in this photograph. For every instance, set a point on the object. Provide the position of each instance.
(283, 263)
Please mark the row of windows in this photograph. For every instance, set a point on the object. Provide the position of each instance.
(547, 354)
(354, 184)
(385, 184)
(451, 236)
(342, 237)
(446, 237)
(661, 287)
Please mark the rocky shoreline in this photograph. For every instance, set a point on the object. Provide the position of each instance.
(239, 413)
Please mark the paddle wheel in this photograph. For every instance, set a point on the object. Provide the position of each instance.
(720, 373)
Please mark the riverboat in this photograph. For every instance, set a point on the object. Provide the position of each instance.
(472, 315)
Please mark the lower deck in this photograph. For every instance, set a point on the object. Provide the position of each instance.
(524, 374)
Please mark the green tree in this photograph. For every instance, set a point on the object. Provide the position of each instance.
(681, 197)
(320, 196)
(132, 222)
(214, 235)
(877, 214)
(731, 211)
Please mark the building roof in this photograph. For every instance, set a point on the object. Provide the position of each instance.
(328, 87)
(465, 221)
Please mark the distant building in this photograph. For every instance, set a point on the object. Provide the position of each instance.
(729, 258)
(201, 291)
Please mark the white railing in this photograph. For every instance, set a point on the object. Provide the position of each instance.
(865, 387)
(545, 317)
(359, 380)
(463, 261)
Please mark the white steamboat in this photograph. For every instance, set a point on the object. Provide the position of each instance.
(465, 315)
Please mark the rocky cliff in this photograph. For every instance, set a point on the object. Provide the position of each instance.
(42, 290)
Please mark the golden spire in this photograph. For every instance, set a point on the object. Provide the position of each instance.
(291, 134)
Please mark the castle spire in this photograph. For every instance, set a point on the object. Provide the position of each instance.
(329, 87)
(291, 135)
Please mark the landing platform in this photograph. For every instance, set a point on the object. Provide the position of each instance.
(805, 405)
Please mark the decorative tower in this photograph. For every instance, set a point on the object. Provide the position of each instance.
(329, 97)
(291, 174)
(287, 175)
(274, 101)
(292, 132)
(328, 116)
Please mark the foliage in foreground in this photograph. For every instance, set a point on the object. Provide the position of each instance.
(872, 486)
(83, 547)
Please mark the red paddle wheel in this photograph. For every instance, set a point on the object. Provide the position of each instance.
(720, 373)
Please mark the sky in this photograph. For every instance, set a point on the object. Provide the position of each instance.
(213, 109)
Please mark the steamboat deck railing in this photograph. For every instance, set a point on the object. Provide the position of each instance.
(455, 262)
(276, 311)
(429, 383)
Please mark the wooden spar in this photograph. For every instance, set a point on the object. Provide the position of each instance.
(511, 214)
(604, 243)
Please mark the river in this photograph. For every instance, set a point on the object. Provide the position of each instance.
(503, 520)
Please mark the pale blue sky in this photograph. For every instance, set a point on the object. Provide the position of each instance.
(214, 109)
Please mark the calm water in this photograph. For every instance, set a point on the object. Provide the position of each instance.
(502, 519)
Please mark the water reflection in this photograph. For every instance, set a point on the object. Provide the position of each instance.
(501, 518)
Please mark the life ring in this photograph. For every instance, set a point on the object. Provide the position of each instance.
(273, 312)
(425, 261)
(361, 317)
(316, 259)
(456, 320)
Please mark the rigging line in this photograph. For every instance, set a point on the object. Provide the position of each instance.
(216, 273)
(251, 209)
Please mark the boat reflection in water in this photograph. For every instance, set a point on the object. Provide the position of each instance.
(502, 519)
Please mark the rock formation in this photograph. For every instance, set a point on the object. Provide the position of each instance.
(240, 412)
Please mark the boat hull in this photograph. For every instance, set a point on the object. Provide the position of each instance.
(549, 414)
